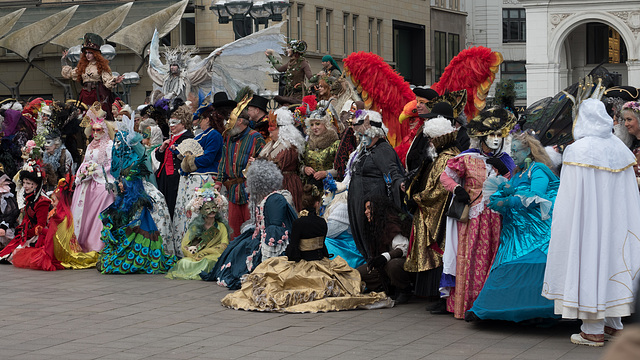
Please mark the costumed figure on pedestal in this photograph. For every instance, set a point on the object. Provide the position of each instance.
(94, 73)
(305, 280)
(91, 196)
(296, 70)
(512, 289)
(182, 71)
(207, 237)
(471, 245)
(265, 235)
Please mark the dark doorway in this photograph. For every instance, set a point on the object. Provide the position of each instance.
(409, 51)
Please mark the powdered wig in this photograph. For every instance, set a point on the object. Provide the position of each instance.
(437, 127)
(263, 178)
(538, 153)
(287, 131)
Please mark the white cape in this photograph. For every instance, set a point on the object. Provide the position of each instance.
(594, 252)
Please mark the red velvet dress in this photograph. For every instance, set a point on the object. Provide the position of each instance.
(33, 223)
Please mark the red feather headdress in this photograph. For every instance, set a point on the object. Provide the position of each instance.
(474, 70)
(382, 89)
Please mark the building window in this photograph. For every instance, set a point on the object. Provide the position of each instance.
(345, 32)
(354, 28)
(318, 29)
(516, 71)
(379, 37)
(299, 21)
(454, 46)
(440, 52)
(188, 27)
(604, 43)
(288, 19)
(327, 23)
(514, 25)
(370, 33)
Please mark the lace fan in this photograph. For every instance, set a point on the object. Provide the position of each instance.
(190, 146)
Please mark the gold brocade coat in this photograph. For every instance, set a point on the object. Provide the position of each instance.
(429, 220)
(321, 159)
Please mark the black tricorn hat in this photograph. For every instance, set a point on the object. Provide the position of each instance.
(92, 41)
(259, 102)
(443, 109)
(626, 93)
(425, 93)
(220, 99)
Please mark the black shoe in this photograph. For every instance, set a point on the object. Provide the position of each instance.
(403, 298)
(436, 304)
(441, 309)
(470, 316)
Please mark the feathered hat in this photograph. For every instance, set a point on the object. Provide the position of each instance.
(491, 121)
(325, 113)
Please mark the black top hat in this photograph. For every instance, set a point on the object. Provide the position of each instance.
(259, 102)
(220, 99)
(92, 41)
(425, 93)
(443, 109)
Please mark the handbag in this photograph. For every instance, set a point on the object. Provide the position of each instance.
(459, 210)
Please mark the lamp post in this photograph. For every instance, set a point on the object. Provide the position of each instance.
(261, 11)
(130, 80)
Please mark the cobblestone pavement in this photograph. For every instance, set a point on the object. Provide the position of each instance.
(81, 314)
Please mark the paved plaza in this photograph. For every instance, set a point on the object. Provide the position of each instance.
(81, 314)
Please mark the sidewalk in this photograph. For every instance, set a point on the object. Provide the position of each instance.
(81, 314)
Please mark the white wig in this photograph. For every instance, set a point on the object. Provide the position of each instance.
(287, 131)
(436, 127)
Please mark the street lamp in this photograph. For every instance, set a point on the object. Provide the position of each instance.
(277, 8)
(260, 10)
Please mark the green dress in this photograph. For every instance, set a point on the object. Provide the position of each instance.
(209, 245)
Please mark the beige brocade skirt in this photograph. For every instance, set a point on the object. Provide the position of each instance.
(280, 285)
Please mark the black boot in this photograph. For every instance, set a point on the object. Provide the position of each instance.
(441, 308)
(404, 296)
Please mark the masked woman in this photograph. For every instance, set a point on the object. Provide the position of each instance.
(34, 221)
(268, 233)
(91, 196)
(514, 285)
(207, 237)
(477, 240)
(94, 73)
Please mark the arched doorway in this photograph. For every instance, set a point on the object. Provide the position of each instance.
(588, 45)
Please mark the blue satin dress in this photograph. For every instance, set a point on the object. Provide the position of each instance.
(513, 288)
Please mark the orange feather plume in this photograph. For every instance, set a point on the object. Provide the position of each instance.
(473, 69)
(382, 89)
